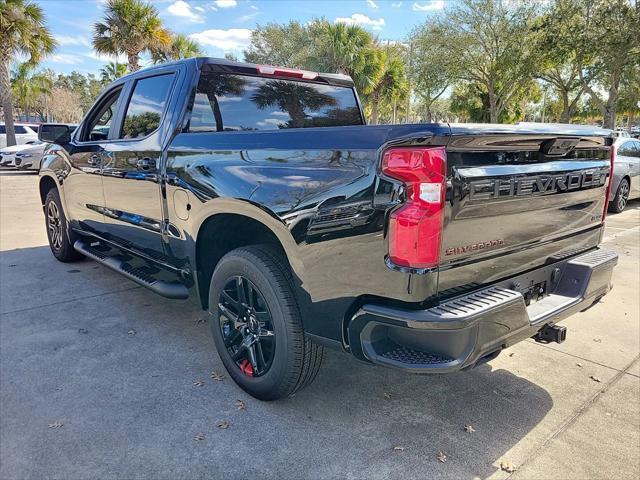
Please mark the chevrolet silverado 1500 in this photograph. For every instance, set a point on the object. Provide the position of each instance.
(260, 193)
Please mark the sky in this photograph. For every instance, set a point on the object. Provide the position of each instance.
(224, 26)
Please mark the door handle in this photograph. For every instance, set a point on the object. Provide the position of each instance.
(146, 163)
(94, 160)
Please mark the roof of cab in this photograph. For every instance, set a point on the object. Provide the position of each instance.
(223, 65)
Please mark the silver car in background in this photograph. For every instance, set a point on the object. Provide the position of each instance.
(30, 158)
(625, 184)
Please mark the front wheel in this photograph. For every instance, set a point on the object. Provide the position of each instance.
(58, 229)
(256, 324)
(619, 202)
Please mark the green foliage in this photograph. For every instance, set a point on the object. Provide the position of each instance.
(130, 27)
(112, 71)
(286, 45)
(140, 125)
(28, 86)
(181, 47)
(23, 32)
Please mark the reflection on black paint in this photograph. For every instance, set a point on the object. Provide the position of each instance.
(226, 102)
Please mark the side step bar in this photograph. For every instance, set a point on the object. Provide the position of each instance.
(175, 290)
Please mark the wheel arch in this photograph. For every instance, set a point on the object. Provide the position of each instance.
(46, 183)
(236, 224)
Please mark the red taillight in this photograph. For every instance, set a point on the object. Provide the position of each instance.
(606, 199)
(415, 228)
(286, 72)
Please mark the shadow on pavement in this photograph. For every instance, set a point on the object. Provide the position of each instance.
(116, 367)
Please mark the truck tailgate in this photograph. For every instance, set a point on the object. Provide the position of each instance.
(516, 201)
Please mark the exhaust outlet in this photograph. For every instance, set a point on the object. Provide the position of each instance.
(551, 333)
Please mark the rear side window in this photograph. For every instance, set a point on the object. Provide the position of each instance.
(225, 102)
(18, 128)
(146, 106)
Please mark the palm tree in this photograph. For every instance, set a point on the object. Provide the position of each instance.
(391, 85)
(112, 71)
(27, 86)
(347, 49)
(22, 31)
(181, 47)
(130, 27)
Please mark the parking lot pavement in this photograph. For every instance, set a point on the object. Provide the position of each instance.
(115, 366)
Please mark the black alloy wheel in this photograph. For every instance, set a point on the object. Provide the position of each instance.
(60, 236)
(247, 326)
(257, 326)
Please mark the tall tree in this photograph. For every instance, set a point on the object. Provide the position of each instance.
(490, 40)
(607, 45)
(28, 86)
(181, 47)
(130, 27)
(23, 31)
(432, 68)
(112, 71)
(347, 49)
(554, 34)
(391, 85)
(286, 45)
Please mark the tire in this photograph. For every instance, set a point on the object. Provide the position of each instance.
(294, 360)
(60, 237)
(619, 202)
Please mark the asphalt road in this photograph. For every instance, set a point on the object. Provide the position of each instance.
(97, 380)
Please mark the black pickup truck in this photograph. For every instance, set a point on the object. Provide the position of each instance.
(260, 193)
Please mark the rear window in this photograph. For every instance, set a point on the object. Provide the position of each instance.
(19, 129)
(225, 102)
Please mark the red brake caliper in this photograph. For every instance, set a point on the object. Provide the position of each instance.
(246, 368)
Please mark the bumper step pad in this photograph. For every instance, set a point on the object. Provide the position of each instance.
(413, 357)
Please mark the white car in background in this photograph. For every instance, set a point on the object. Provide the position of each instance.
(25, 132)
(8, 154)
(30, 157)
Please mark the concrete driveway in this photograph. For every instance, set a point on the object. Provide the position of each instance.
(97, 380)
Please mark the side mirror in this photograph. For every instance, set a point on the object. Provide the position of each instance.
(55, 133)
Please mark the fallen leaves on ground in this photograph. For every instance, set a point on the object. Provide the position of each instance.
(595, 379)
(442, 457)
(507, 466)
(199, 437)
(198, 383)
(55, 425)
(240, 405)
(398, 448)
(469, 429)
(131, 332)
(223, 424)
(217, 376)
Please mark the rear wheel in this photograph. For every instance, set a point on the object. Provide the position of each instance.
(58, 229)
(256, 324)
(622, 196)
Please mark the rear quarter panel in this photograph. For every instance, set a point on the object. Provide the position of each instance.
(314, 188)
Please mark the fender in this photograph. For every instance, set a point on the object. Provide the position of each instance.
(56, 166)
(249, 209)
